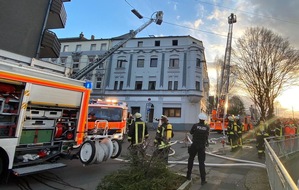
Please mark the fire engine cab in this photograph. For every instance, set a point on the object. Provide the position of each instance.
(112, 111)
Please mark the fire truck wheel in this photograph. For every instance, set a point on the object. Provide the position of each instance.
(87, 152)
(116, 148)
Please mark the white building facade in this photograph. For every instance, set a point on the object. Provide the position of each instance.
(153, 75)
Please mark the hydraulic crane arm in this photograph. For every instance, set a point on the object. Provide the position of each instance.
(80, 74)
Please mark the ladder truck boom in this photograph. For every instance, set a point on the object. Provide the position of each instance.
(80, 74)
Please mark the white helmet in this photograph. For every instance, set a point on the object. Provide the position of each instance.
(138, 115)
(202, 116)
(231, 118)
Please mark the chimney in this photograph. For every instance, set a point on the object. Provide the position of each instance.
(92, 37)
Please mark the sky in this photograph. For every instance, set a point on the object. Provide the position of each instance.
(205, 20)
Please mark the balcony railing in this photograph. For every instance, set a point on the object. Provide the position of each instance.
(50, 46)
(57, 15)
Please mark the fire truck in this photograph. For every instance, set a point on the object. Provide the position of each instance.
(111, 110)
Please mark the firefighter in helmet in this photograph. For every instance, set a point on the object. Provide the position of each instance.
(200, 132)
(137, 134)
(232, 132)
(239, 131)
(162, 139)
(261, 132)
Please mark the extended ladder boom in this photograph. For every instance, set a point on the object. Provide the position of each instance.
(80, 74)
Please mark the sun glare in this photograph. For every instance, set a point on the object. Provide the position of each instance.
(290, 99)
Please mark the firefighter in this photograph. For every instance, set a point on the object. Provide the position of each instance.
(279, 130)
(262, 131)
(239, 131)
(232, 133)
(137, 134)
(129, 122)
(162, 139)
(200, 132)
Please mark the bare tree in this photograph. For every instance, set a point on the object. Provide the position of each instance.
(266, 65)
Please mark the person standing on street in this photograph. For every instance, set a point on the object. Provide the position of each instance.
(200, 133)
(162, 139)
(232, 132)
(137, 134)
(261, 131)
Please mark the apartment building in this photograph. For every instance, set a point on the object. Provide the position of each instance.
(153, 75)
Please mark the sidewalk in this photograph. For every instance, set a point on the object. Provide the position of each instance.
(232, 177)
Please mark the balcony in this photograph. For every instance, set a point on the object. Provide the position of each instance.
(57, 15)
(50, 46)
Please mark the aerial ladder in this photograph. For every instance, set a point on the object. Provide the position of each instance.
(222, 93)
(80, 74)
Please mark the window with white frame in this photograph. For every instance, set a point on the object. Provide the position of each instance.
(172, 112)
(197, 85)
(121, 84)
(78, 48)
(154, 62)
(174, 42)
(139, 43)
(99, 82)
(140, 62)
(65, 48)
(121, 63)
(175, 85)
(115, 85)
(151, 85)
(169, 85)
(103, 47)
(174, 63)
(198, 62)
(93, 47)
(138, 85)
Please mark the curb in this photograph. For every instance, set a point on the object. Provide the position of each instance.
(186, 185)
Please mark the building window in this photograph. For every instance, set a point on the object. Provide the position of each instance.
(174, 42)
(75, 65)
(157, 43)
(93, 47)
(152, 85)
(174, 63)
(197, 62)
(172, 112)
(99, 82)
(115, 85)
(78, 48)
(65, 48)
(140, 62)
(91, 59)
(138, 85)
(154, 62)
(169, 85)
(197, 85)
(139, 43)
(76, 59)
(63, 60)
(121, 63)
(135, 110)
(175, 85)
(121, 84)
(103, 47)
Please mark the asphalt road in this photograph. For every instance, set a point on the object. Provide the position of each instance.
(77, 177)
